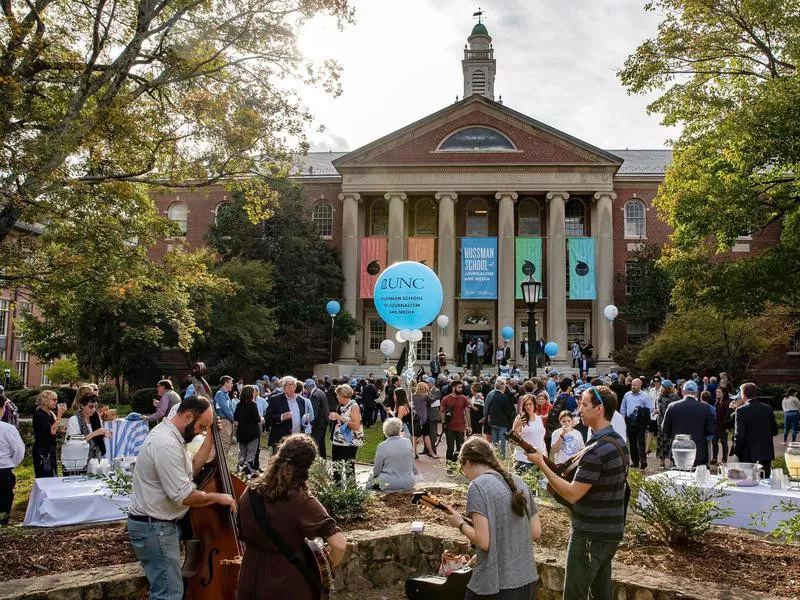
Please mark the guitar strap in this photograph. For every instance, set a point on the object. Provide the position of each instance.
(294, 558)
(618, 446)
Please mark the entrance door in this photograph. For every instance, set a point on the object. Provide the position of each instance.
(465, 335)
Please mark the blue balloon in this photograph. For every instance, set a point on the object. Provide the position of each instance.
(333, 308)
(507, 332)
(551, 349)
(408, 295)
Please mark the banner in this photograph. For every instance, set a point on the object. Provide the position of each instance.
(528, 260)
(422, 250)
(581, 268)
(479, 268)
(373, 261)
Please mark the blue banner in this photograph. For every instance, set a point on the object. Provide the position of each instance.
(479, 268)
(581, 268)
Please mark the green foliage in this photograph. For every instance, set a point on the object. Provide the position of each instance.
(305, 269)
(344, 500)
(108, 394)
(142, 400)
(15, 381)
(649, 300)
(787, 530)
(727, 73)
(673, 514)
(702, 340)
(64, 370)
(26, 399)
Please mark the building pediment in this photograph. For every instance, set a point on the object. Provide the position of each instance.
(534, 143)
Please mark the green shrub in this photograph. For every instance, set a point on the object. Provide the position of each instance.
(674, 514)
(64, 370)
(344, 500)
(26, 399)
(787, 530)
(108, 394)
(142, 400)
(15, 381)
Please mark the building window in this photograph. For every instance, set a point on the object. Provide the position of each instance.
(476, 319)
(477, 218)
(529, 217)
(633, 277)
(476, 139)
(221, 208)
(636, 333)
(575, 218)
(45, 378)
(4, 312)
(379, 217)
(635, 226)
(377, 333)
(22, 366)
(425, 217)
(576, 331)
(24, 309)
(179, 214)
(794, 344)
(322, 217)
(425, 346)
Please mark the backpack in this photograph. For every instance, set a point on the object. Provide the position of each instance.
(11, 414)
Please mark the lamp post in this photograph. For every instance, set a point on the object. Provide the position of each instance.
(530, 295)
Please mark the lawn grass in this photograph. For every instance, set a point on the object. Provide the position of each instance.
(22, 491)
(365, 454)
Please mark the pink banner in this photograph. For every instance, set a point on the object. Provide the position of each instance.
(373, 262)
(423, 250)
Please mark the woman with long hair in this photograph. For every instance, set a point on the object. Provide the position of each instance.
(505, 523)
(722, 404)
(81, 424)
(294, 513)
(247, 428)
(531, 427)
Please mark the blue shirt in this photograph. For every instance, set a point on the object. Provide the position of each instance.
(222, 402)
(632, 401)
(261, 404)
(294, 408)
(551, 389)
(189, 391)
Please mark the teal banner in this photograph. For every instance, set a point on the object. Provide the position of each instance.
(479, 268)
(581, 268)
(528, 260)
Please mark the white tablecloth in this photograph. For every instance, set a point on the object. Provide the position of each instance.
(55, 501)
(127, 439)
(745, 501)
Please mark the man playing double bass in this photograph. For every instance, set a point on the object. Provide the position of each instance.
(597, 494)
(164, 490)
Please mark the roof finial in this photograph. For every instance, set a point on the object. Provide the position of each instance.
(478, 14)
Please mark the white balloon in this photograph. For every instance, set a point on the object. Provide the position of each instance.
(415, 335)
(399, 336)
(610, 312)
(387, 347)
(443, 321)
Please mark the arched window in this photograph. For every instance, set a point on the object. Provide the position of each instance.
(425, 217)
(477, 217)
(178, 213)
(635, 222)
(221, 208)
(479, 82)
(322, 217)
(575, 218)
(379, 217)
(476, 139)
(529, 217)
(476, 319)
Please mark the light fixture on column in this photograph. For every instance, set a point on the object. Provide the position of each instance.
(530, 295)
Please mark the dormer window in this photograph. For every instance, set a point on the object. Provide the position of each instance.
(476, 139)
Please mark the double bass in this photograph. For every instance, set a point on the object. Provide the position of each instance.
(213, 549)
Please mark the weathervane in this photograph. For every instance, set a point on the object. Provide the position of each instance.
(478, 14)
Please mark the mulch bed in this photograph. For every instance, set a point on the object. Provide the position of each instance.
(728, 557)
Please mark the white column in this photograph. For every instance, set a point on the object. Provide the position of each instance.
(350, 265)
(396, 246)
(446, 270)
(557, 274)
(506, 280)
(605, 274)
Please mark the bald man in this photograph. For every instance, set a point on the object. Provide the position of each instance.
(636, 408)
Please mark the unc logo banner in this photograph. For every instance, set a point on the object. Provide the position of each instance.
(581, 268)
(479, 268)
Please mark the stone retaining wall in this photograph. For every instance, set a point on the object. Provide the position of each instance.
(378, 558)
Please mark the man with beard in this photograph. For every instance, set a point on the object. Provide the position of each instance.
(164, 490)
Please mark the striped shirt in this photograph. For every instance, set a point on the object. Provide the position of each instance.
(600, 514)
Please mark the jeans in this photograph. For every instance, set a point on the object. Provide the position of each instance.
(157, 546)
(589, 569)
(791, 418)
(455, 439)
(247, 453)
(499, 437)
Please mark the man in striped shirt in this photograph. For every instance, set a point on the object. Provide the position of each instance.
(598, 497)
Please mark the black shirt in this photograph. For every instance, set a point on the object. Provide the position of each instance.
(246, 415)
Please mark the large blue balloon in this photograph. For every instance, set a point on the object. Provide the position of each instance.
(408, 295)
(333, 308)
(551, 349)
(507, 332)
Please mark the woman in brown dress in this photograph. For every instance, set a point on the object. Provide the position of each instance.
(295, 514)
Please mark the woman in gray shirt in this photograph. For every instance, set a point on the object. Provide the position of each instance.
(394, 467)
(504, 526)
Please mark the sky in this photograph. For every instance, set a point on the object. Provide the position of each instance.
(557, 61)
